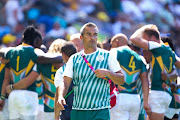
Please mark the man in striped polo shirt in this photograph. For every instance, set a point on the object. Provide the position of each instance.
(91, 92)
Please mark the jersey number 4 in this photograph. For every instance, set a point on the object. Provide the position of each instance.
(132, 63)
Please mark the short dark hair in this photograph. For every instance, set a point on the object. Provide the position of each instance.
(89, 24)
(30, 34)
(152, 32)
(69, 48)
(169, 41)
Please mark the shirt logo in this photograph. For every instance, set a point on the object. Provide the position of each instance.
(100, 58)
(78, 61)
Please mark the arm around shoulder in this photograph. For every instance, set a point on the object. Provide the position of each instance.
(45, 59)
(27, 81)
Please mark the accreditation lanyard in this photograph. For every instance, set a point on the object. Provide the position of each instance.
(90, 66)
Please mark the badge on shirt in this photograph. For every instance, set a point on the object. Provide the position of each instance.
(100, 58)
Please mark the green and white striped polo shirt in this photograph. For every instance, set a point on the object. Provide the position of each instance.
(90, 92)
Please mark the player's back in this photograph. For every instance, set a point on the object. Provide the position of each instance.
(22, 59)
(162, 59)
(132, 66)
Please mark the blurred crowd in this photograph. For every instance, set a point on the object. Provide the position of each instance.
(61, 18)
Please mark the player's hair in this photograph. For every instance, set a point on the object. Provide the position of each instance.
(69, 48)
(89, 24)
(30, 34)
(153, 31)
(55, 46)
(169, 41)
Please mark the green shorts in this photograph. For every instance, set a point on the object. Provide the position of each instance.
(102, 114)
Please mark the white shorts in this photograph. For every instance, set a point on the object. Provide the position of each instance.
(159, 101)
(22, 103)
(5, 112)
(127, 107)
(49, 116)
(1, 115)
(40, 115)
(170, 112)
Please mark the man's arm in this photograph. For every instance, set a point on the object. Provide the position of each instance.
(116, 77)
(3, 89)
(45, 59)
(145, 88)
(56, 109)
(62, 91)
(137, 39)
(6, 81)
(57, 82)
(171, 76)
(23, 83)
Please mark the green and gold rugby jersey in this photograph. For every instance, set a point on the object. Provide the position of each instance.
(47, 72)
(132, 66)
(2, 72)
(22, 59)
(90, 92)
(40, 91)
(163, 59)
(175, 102)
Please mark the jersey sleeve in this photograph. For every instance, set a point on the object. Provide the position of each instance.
(33, 56)
(153, 45)
(155, 48)
(58, 78)
(36, 68)
(38, 52)
(114, 52)
(7, 54)
(113, 63)
(143, 69)
(68, 72)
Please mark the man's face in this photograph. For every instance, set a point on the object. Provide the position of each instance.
(89, 37)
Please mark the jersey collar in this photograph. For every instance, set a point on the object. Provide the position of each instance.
(26, 45)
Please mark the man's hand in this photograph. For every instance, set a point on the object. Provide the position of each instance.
(8, 90)
(2, 102)
(61, 103)
(147, 108)
(164, 76)
(3, 60)
(100, 73)
(173, 86)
